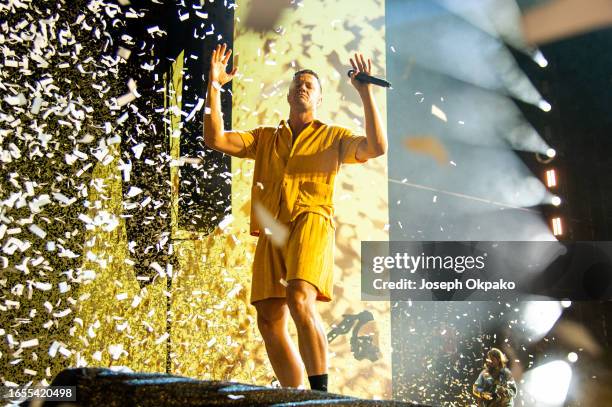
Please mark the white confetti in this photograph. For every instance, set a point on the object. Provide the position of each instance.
(29, 344)
(36, 105)
(137, 149)
(116, 351)
(64, 287)
(136, 301)
(34, 228)
(226, 221)
(155, 266)
(436, 111)
(122, 118)
(162, 338)
(133, 191)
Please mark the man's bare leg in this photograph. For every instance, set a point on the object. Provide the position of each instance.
(272, 317)
(312, 341)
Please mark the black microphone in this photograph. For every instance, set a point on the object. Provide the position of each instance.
(362, 77)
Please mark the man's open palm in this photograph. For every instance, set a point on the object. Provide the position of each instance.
(218, 65)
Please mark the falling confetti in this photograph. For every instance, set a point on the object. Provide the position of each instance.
(428, 145)
(436, 111)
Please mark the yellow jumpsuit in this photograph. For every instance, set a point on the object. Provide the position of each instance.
(294, 182)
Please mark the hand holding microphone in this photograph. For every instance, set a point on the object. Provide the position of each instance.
(360, 74)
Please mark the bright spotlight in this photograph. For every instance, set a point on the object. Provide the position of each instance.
(557, 227)
(566, 303)
(551, 178)
(544, 105)
(548, 384)
(572, 357)
(551, 152)
(555, 200)
(539, 59)
(540, 316)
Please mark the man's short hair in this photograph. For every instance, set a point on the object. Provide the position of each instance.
(310, 72)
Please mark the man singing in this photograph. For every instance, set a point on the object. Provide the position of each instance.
(296, 164)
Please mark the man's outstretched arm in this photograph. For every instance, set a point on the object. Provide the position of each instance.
(376, 140)
(215, 137)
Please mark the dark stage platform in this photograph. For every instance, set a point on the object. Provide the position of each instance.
(104, 387)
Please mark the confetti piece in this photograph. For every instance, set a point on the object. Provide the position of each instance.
(162, 338)
(276, 231)
(29, 344)
(116, 351)
(133, 191)
(36, 105)
(155, 266)
(138, 149)
(427, 145)
(124, 53)
(227, 220)
(124, 100)
(122, 118)
(136, 301)
(37, 231)
(436, 111)
(196, 109)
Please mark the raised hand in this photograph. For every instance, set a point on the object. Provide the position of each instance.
(360, 65)
(218, 66)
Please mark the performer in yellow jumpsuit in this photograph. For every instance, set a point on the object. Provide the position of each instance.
(295, 168)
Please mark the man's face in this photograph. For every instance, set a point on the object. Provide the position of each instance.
(304, 92)
(492, 363)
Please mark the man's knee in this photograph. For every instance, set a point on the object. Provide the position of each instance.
(301, 300)
(271, 315)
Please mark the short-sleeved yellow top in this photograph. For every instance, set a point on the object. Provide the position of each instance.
(291, 178)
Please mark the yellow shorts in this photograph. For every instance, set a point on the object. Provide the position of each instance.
(308, 254)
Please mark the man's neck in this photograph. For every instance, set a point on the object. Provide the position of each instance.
(299, 120)
(494, 371)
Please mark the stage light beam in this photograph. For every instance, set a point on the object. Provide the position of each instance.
(540, 316)
(548, 384)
